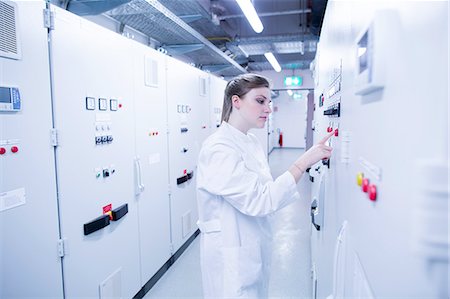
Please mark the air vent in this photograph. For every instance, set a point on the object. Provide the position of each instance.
(9, 41)
(151, 72)
(202, 86)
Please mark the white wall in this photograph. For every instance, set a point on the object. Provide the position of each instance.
(289, 115)
(290, 118)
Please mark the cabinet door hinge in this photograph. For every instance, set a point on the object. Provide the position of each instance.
(49, 19)
(61, 248)
(54, 137)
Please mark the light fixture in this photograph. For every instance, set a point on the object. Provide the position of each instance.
(273, 61)
(250, 13)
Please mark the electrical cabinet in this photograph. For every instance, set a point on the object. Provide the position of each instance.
(188, 118)
(95, 177)
(151, 158)
(374, 194)
(30, 264)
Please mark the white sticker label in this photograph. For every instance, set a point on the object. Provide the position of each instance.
(12, 199)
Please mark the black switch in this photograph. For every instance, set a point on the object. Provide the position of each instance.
(119, 212)
(96, 224)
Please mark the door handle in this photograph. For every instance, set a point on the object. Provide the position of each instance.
(139, 188)
(314, 211)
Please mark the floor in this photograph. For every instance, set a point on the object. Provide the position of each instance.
(291, 261)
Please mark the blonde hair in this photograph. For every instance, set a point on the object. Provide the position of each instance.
(240, 86)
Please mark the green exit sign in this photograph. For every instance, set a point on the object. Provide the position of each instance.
(293, 81)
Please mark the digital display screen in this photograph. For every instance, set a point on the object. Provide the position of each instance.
(362, 53)
(5, 95)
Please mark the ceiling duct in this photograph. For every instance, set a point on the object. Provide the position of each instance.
(211, 34)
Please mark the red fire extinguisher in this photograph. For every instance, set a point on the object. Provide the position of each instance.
(280, 140)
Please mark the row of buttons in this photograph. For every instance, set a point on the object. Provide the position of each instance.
(103, 139)
(366, 187)
(14, 149)
(330, 129)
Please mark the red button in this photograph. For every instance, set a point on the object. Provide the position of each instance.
(2, 150)
(336, 132)
(372, 192)
(365, 185)
(14, 149)
(329, 129)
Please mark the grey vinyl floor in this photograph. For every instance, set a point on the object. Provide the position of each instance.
(291, 260)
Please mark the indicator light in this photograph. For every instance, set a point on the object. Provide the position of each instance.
(372, 192)
(365, 185)
(359, 178)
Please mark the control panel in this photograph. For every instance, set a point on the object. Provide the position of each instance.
(103, 124)
(183, 111)
(10, 100)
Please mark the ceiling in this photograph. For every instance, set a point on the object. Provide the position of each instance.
(214, 35)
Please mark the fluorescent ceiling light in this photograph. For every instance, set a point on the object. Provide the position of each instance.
(273, 61)
(361, 51)
(250, 13)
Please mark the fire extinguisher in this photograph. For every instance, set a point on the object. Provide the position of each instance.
(280, 140)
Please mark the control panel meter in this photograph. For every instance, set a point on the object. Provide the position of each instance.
(10, 100)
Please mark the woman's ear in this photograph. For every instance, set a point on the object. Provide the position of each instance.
(236, 101)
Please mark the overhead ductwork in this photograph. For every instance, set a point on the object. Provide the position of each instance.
(209, 33)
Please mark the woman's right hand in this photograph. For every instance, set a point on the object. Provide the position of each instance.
(316, 153)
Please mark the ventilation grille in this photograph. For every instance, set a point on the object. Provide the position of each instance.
(8, 32)
(151, 72)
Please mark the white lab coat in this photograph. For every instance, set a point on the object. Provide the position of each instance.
(235, 194)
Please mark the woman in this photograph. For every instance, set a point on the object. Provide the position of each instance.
(236, 193)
